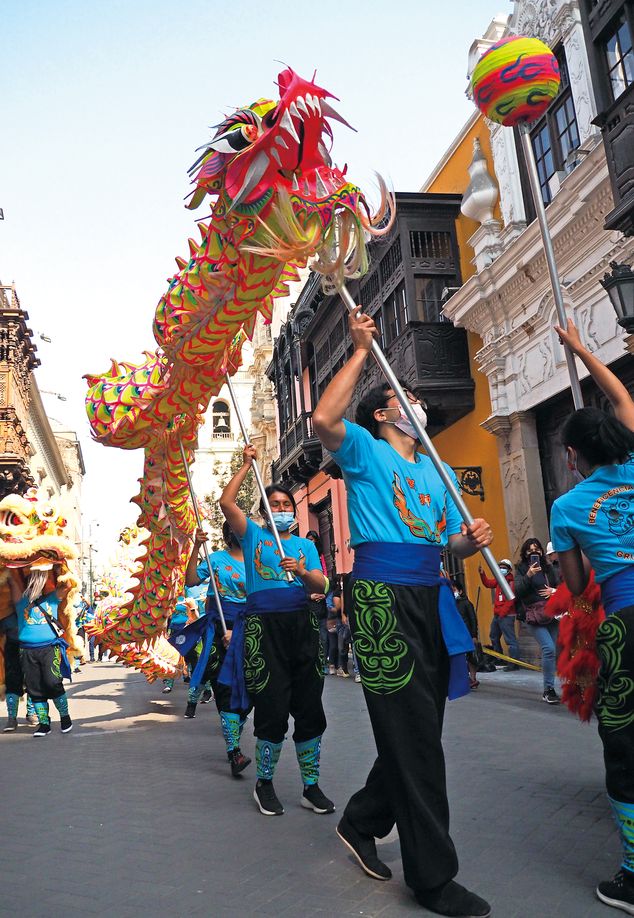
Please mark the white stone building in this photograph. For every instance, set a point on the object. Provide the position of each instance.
(509, 301)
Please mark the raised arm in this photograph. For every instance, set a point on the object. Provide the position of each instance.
(328, 415)
(613, 388)
(191, 572)
(232, 513)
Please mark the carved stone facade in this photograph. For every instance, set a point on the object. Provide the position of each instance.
(509, 302)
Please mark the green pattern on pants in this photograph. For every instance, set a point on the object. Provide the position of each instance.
(256, 673)
(614, 705)
(57, 662)
(321, 658)
(385, 662)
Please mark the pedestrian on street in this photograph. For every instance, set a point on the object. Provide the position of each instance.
(593, 523)
(36, 596)
(184, 613)
(534, 585)
(469, 617)
(503, 623)
(282, 665)
(228, 570)
(401, 516)
(553, 559)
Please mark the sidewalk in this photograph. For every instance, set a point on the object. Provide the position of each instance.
(134, 812)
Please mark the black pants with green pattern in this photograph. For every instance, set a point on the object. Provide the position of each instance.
(615, 702)
(404, 668)
(283, 669)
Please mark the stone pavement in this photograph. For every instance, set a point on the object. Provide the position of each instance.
(134, 812)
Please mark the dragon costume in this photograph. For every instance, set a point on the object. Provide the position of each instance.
(278, 201)
(33, 535)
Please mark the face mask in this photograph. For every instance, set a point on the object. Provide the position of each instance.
(283, 521)
(405, 425)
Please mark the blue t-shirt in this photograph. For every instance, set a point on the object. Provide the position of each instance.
(262, 559)
(229, 574)
(33, 629)
(598, 516)
(179, 617)
(391, 499)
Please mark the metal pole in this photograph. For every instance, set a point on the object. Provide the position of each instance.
(538, 201)
(258, 476)
(199, 523)
(430, 449)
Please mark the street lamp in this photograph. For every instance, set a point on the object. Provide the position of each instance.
(620, 288)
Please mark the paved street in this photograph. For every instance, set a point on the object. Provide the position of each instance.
(134, 812)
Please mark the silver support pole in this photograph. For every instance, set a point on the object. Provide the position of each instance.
(199, 523)
(430, 449)
(258, 476)
(538, 201)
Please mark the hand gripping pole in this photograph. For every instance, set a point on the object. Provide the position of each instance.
(430, 449)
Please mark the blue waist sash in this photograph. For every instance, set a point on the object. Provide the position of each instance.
(617, 591)
(230, 609)
(407, 564)
(262, 602)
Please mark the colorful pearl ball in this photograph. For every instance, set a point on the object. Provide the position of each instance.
(515, 80)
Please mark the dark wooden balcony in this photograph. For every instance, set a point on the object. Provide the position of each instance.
(617, 127)
(300, 452)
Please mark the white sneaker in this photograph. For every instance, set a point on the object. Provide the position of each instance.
(343, 672)
(357, 677)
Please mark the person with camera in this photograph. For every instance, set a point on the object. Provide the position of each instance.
(535, 582)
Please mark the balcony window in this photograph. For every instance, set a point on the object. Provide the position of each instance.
(221, 420)
(620, 57)
(556, 134)
(428, 290)
(395, 313)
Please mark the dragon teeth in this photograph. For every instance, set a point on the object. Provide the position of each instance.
(295, 184)
(279, 140)
(295, 111)
(287, 123)
(302, 105)
(321, 188)
(276, 157)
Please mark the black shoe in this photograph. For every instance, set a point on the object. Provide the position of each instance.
(238, 761)
(455, 901)
(618, 892)
(186, 680)
(207, 696)
(550, 696)
(42, 730)
(266, 798)
(66, 723)
(314, 799)
(511, 668)
(190, 710)
(364, 849)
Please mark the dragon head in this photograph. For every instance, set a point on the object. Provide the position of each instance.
(32, 533)
(278, 152)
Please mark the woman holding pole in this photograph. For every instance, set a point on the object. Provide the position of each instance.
(592, 526)
(282, 664)
(409, 639)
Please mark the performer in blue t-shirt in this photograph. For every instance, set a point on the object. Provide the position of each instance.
(283, 665)
(592, 526)
(409, 639)
(13, 675)
(228, 570)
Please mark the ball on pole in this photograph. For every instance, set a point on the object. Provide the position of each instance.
(515, 80)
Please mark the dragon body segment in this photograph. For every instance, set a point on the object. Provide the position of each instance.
(278, 201)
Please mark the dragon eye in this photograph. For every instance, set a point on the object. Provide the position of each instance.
(9, 518)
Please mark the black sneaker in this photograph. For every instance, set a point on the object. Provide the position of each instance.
(314, 799)
(12, 725)
(66, 723)
(42, 730)
(266, 798)
(190, 710)
(238, 761)
(207, 696)
(455, 901)
(550, 696)
(364, 849)
(618, 892)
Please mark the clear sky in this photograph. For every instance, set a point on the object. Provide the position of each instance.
(102, 105)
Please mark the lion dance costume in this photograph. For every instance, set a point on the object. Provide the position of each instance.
(278, 201)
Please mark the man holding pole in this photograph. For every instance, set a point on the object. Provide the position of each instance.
(409, 640)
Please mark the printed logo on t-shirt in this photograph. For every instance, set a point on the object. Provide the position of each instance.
(270, 573)
(618, 506)
(416, 524)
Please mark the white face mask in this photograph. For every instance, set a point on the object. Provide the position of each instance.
(405, 425)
